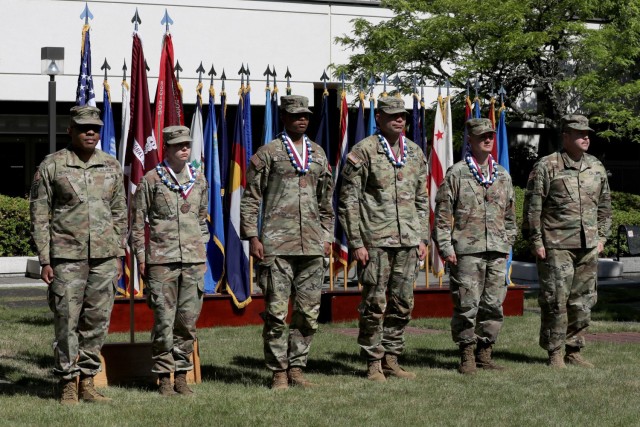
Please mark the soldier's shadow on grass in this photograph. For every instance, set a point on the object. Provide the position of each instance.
(44, 320)
(519, 357)
(43, 387)
(439, 358)
(230, 375)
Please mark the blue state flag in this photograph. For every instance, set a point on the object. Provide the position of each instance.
(322, 136)
(267, 129)
(503, 160)
(360, 127)
(274, 109)
(416, 123)
(247, 125)
(108, 130)
(371, 126)
(215, 221)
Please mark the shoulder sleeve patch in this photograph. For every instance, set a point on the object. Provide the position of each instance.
(354, 159)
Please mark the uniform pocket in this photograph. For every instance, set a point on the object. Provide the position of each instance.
(55, 295)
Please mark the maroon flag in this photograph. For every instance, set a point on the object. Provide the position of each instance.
(142, 151)
(168, 103)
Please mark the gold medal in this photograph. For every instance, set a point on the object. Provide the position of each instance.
(400, 177)
(186, 207)
(303, 182)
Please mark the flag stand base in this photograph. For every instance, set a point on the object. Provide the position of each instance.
(130, 364)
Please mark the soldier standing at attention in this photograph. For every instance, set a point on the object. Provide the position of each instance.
(568, 213)
(384, 211)
(79, 224)
(289, 183)
(173, 199)
(475, 227)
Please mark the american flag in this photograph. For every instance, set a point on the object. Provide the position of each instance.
(85, 94)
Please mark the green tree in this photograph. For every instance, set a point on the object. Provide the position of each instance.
(570, 53)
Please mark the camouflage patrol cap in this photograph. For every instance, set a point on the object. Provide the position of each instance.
(575, 121)
(85, 115)
(176, 135)
(391, 105)
(295, 104)
(479, 126)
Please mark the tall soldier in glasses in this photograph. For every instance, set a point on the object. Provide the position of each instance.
(567, 212)
(79, 224)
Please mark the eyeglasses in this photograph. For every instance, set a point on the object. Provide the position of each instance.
(87, 128)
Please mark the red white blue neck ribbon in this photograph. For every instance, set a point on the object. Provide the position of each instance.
(183, 189)
(477, 173)
(395, 161)
(299, 161)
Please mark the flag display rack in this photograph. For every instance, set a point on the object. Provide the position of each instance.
(336, 306)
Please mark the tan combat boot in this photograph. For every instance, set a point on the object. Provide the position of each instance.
(467, 359)
(573, 357)
(555, 359)
(180, 384)
(296, 378)
(164, 385)
(483, 358)
(68, 392)
(88, 392)
(374, 371)
(279, 381)
(390, 366)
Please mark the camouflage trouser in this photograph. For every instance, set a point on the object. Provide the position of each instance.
(81, 298)
(389, 271)
(478, 289)
(280, 278)
(567, 293)
(175, 297)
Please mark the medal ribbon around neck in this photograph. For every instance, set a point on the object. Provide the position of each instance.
(183, 189)
(477, 173)
(299, 163)
(395, 161)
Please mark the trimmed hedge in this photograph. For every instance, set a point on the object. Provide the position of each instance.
(626, 210)
(15, 235)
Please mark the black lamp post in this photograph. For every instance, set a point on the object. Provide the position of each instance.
(52, 63)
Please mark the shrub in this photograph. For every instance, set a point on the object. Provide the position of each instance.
(15, 236)
(626, 211)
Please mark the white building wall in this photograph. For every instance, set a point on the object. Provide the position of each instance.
(226, 33)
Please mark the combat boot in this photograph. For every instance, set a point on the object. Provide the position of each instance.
(555, 359)
(483, 358)
(68, 392)
(296, 378)
(88, 392)
(164, 385)
(467, 359)
(573, 357)
(374, 371)
(279, 381)
(180, 384)
(390, 366)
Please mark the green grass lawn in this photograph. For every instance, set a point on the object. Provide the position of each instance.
(234, 391)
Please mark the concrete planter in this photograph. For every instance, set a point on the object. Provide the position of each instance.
(21, 266)
(607, 269)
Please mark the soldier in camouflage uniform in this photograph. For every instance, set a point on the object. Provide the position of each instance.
(384, 211)
(567, 212)
(289, 184)
(79, 224)
(173, 199)
(474, 229)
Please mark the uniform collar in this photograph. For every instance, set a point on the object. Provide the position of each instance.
(74, 161)
(582, 164)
